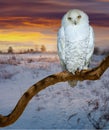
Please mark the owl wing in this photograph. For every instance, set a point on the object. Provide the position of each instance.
(90, 46)
(61, 47)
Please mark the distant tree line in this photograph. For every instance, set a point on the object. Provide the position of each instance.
(11, 50)
(100, 51)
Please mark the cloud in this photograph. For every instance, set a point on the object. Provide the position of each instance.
(47, 23)
(29, 23)
(103, 1)
(99, 19)
(47, 14)
(34, 8)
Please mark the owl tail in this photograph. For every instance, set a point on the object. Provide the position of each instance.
(72, 83)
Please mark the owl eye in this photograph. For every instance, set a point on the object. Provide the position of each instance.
(69, 18)
(79, 16)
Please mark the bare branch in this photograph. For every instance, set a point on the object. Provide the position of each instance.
(92, 74)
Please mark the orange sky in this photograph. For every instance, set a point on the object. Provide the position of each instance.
(26, 23)
(28, 35)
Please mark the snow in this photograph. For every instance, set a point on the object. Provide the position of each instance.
(85, 106)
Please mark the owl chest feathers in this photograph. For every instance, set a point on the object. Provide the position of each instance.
(76, 47)
(76, 33)
(77, 37)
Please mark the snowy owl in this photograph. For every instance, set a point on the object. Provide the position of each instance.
(75, 42)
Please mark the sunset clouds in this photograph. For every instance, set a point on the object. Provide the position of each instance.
(36, 11)
(31, 22)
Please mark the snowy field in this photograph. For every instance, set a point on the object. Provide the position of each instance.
(57, 107)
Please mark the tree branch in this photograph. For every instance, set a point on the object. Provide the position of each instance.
(92, 74)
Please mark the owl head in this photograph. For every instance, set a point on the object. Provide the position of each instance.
(75, 17)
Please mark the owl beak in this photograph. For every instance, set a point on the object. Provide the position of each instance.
(75, 22)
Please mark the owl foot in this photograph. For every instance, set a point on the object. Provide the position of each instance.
(77, 71)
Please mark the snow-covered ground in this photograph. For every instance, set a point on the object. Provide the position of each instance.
(57, 107)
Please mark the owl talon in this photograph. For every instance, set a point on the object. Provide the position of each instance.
(77, 72)
(73, 73)
(83, 71)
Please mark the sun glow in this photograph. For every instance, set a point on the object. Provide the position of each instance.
(25, 32)
(20, 36)
(25, 39)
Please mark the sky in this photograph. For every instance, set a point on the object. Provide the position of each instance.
(28, 23)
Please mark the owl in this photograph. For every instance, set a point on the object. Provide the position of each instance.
(75, 42)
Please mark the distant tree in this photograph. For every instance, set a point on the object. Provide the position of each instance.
(43, 48)
(31, 50)
(10, 49)
(1, 52)
(96, 50)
